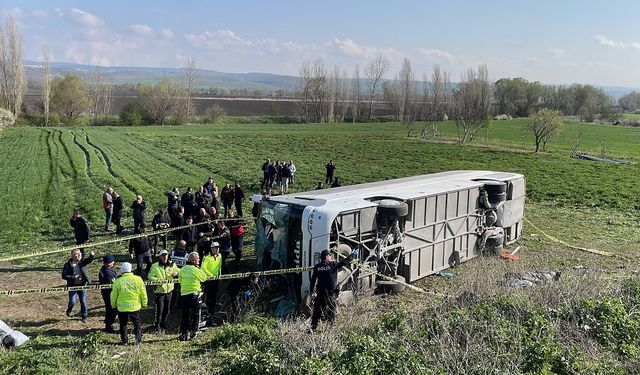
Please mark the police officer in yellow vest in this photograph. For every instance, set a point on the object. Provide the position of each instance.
(129, 296)
(163, 270)
(190, 278)
(212, 266)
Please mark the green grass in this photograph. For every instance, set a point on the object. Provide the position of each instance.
(631, 116)
(46, 172)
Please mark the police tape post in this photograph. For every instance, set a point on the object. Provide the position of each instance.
(110, 241)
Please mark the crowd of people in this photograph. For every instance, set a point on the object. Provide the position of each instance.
(208, 238)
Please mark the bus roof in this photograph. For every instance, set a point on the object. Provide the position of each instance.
(358, 196)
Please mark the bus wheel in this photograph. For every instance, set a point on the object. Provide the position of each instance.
(391, 208)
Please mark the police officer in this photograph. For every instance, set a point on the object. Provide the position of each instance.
(190, 278)
(163, 270)
(325, 274)
(129, 295)
(212, 266)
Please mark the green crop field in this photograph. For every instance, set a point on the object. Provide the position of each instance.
(47, 172)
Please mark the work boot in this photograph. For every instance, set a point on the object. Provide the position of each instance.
(68, 313)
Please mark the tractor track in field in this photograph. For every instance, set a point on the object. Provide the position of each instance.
(87, 158)
(109, 166)
(163, 159)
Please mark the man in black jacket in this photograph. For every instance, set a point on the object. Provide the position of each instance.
(159, 222)
(116, 217)
(238, 197)
(331, 167)
(223, 237)
(326, 274)
(190, 235)
(265, 174)
(80, 229)
(141, 248)
(107, 275)
(188, 201)
(138, 206)
(75, 272)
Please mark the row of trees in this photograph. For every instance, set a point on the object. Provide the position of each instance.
(12, 78)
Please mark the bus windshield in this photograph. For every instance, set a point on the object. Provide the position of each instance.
(278, 235)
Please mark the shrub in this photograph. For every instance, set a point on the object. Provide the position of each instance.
(214, 114)
(132, 115)
(6, 118)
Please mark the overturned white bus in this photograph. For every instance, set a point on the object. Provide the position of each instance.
(406, 228)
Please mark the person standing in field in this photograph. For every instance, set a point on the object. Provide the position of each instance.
(75, 272)
(140, 249)
(129, 295)
(118, 207)
(190, 278)
(272, 173)
(236, 225)
(163, 270)
(331, 167)
(138, 207)
(107, 204)
(190, 235)
(227, 198)
(285, 177)
(173, 202)
(238, 196)
(188, 202)
(159, 222)
(292, 169)
(212, 266)
(265, 174)
(223, 237)
(81, 229)
(107, 275)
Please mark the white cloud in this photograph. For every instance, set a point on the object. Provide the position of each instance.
(437, 54)
(531, 60)
(58, 12)
(351, 48)
(141, 30)
(84, 19)
(166, 33)
(635, 45)
(557, 52)
(604, 41)
(216, 40)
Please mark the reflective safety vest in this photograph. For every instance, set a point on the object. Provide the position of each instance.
(212, 266)
(190, 278)
(129, 293)
(161, 273)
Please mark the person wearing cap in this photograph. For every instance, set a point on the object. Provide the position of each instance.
(190, 278)
(107, 275)
(326, 274)
(212, 266)
(129, 295)
(75, 272)
(163, 270)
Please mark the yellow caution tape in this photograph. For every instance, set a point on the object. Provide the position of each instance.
(151, 283)
(106, 242)
(593, 251)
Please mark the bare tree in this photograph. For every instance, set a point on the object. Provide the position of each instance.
(436, 98)
(406, 81)
(343, 94)
(543, 125)
(192, 79)
(313, 90)
(160, 100)
(11, 68)
(472, 103)
(100, 96)
(46, 83)
(374, 73)
(356, 96)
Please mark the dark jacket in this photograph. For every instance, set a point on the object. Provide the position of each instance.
(188, 200)
(160, 219)
(190, 235)
(118, 205)
(80, 229)
(285, 172)
(173, 201)
(223, 237)
(238, 194)
(139, 245)
(138, 209)
(330, 168)
(67, 271)
(326, 274)
(106, 276)
(227, 194)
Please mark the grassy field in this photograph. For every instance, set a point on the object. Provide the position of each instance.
(46, 172)
(631, 116)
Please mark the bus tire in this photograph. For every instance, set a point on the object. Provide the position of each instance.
(391, 208)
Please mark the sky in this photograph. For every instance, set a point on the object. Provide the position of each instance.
(554, 42)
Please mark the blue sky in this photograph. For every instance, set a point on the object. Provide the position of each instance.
(557, 41)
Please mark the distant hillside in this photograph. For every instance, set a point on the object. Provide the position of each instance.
(208, 78)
